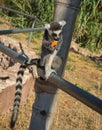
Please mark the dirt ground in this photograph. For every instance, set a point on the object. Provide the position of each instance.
(71, 114)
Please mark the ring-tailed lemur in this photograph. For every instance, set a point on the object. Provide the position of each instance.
(51, 45)
(18, 92)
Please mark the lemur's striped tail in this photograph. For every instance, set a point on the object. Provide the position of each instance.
(18, 94)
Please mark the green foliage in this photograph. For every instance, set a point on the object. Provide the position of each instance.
(43, 9)
(88, 29)
(19, 5)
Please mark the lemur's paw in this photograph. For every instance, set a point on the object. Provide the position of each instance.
(48, 73)
(34, 71)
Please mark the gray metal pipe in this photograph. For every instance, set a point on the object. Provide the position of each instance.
(67, 10)
(30, 36)
(13, 31)
(14, 55)
(18, 12)
(83, 96)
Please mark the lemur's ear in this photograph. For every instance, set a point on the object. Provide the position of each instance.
(62, 23)
(47, 26)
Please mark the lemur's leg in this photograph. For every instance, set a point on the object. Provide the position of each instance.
(33, 67)
(48, 64)
(34, 72)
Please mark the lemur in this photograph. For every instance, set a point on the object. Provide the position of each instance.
(51, 45)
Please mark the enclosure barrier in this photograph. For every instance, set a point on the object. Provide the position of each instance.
(13, 31)
(34, 18)
(83, 96)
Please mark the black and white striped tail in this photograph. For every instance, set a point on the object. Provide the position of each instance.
(18, 94)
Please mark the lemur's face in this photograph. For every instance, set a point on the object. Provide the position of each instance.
(55, 34)
(55, 29)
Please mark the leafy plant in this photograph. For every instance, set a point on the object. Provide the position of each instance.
(43, 9)
(88, 29)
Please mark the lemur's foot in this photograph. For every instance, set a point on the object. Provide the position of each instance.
(48, 73)
(34, 71)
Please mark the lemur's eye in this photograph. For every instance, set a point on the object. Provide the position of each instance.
(54, 34)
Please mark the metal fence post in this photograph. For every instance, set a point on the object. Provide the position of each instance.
(31, 33)
(44, 106)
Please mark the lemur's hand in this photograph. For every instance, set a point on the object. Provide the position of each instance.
(54, 43)
(48, 73)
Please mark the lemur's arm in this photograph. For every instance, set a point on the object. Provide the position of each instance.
(48, 64)
(47, 45)
(58, 45)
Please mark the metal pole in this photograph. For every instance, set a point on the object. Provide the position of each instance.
(14, 55)
(83, 96)
(67, 10)
(78, 93)
(5, 32)
(30, 37)
(46, 92)
(18, 12)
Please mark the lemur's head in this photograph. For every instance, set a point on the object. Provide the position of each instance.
(55, 29)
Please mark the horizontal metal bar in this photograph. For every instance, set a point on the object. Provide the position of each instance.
(88, 99)
(14, 55)
(2, 32)
(76, 92)
(18, 12)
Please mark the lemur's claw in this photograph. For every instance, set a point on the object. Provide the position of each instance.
(48, 73)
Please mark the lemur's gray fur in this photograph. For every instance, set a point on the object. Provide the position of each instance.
(52, 33)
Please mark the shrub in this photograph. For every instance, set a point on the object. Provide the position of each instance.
(88, 29)
(88, 25)
(43, 9)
